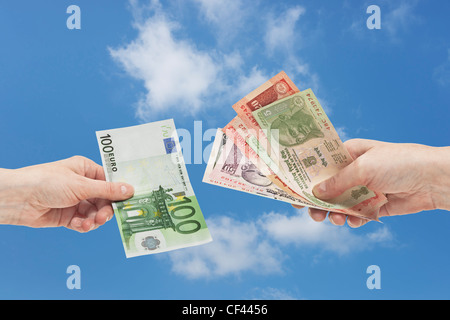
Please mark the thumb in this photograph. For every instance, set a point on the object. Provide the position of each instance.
(345, 179)
(114, 191)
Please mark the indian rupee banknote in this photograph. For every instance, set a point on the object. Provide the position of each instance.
(229, 168)
(249, 143)
(276, 88)
(311, 151)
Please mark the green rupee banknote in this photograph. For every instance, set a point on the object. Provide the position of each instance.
(164, 213)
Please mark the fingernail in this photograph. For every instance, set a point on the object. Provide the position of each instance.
(330, 217)
(123, 189)
(352, 224)
(316, 216)
(76, 223)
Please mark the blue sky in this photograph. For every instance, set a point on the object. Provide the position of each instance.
(138, 61)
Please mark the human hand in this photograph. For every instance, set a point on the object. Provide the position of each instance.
(413, 177)
(71, 193)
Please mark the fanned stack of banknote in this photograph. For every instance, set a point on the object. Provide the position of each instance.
(280, 145)
(164, 213)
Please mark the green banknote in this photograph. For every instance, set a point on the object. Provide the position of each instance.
(164, 213)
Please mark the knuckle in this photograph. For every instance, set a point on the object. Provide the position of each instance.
(81, 191)
(77, 158)
(110, 189)
(361, 172)
(331, 184)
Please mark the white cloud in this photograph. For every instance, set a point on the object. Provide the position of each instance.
(248, 83)
(174, 71)
(270, 293)
(442, 73)
(301, 230)
(399, 18)
(257, 246)
(176, 74)
(218, 11)
(382, 235)
(233, 61)
(396, 18)
(237, 247)
(283, 40)
(342, 132)
(226, 16)
(188, 76)
(281, 33)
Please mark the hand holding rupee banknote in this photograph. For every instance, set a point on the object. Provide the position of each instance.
(280, 145)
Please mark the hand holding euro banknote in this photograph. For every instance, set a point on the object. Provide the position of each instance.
(164, 213)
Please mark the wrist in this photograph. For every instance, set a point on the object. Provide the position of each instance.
(13, 198)
(439, 179)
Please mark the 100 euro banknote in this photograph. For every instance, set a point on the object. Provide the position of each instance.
(164, 213)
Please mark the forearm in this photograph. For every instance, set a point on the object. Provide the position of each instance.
(440, 177)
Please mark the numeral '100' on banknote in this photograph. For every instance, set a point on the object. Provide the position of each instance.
(164, 213)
